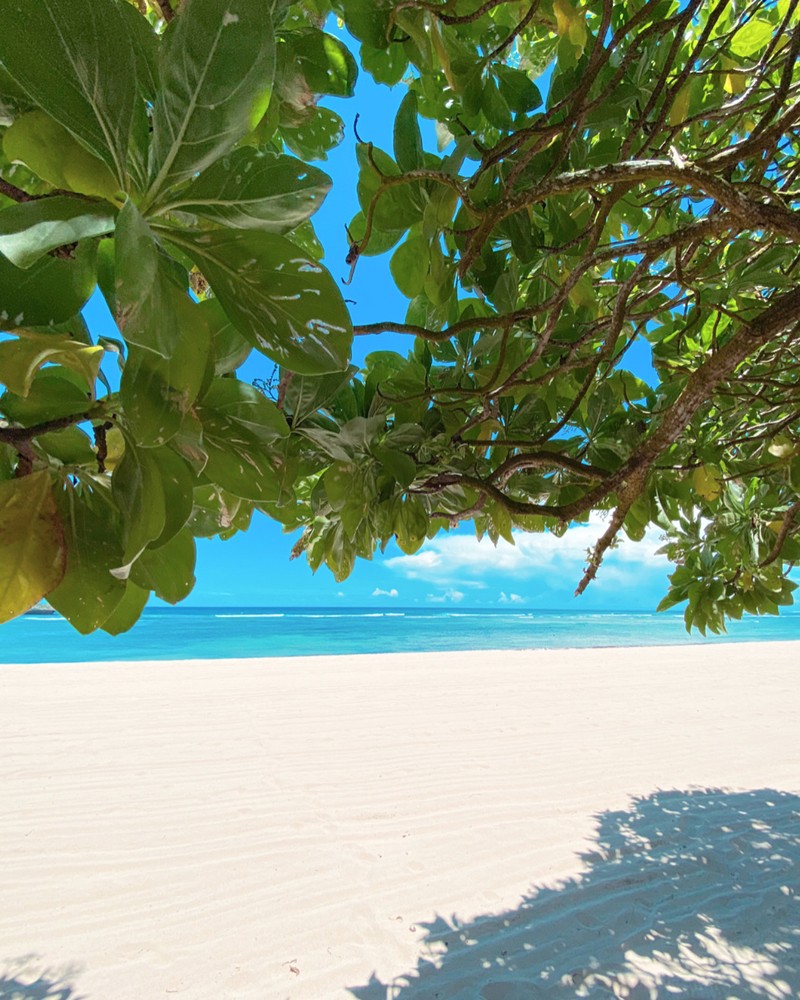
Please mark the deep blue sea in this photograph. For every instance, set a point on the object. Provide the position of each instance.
(212, 633)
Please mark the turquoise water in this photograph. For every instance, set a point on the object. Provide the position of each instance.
(212, 633)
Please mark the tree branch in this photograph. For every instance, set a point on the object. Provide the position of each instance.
(20, 435)
(15, 193)
(627, 499)
(783, 314)
(542, 460)
(783, 534)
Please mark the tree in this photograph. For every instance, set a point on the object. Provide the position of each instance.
(648, 198)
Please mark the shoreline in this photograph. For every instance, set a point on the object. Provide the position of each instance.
(412, 654)
(321, 827)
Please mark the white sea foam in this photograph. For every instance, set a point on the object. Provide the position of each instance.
(251, 615)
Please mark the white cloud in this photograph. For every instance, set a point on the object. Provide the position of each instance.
(456, 557)
(340, 593)
(505, 598)
(377, 592)
(450, 595)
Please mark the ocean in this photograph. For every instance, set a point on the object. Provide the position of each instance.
(165, 633)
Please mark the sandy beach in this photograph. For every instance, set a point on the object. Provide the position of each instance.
(481, 826)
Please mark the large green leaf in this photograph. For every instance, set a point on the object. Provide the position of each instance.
(157, 393)
(54, 392)
(53, 153)
(240, 430)
(253, 189)
(409, 265)
(137, 491)
(368, 20)
(13, 99)
(217, 65)
(315, 135)
(69, 446)
(153, 489)
(168, 570)
(215, 511)
(22, 357)
(228, 346)
(306, 395)
(32, 551)
(73, 58)
(51, 291)
(89, 592)
(29, 230)
(246, 471)
(246, 410)
(128, 611)
(286, 305)
(407, 137)
(324, 61)
(145, 44)
(150, 307)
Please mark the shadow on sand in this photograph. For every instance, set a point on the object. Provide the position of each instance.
(25, 979)
(688, 894)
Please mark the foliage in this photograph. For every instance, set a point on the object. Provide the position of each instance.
(612, 178)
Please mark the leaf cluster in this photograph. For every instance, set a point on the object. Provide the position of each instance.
(614, 180)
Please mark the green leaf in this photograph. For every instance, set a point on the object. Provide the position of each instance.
(73, 58)
(177, 482)
(70, 446)
(21, 358)
(245, 410)
(30, 230)
(411, 525)
(145, 44)
(228, 346)
(518, 90)
(379, 241)
(51, 291)
(240, 432)
(216, 70)
(13, 99)
(89, 592)
(137, 491)
(315, 135)
(339, 483)
(169, 569)
(494, 105)
(326, 63)
(386, 65)
(397, 207)
(153, 489)
(286, 305)
(400, 466)
(306, 395)
(409, 265)
(32, 550)
(254, 189)
(54, 393)
(752, 38)
(151, 309)
(216, 511)
(157, 393)
(128, 611)
(368, 21)
(407, 137)
(50, 151)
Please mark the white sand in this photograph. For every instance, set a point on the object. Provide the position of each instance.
(264, 830)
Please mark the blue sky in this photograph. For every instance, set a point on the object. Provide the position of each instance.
(540, 571)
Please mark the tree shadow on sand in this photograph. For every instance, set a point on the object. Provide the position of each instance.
(688, 894)
(25, 979)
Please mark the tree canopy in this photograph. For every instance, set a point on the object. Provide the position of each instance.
(609, 174)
